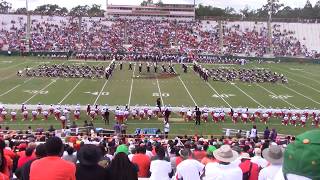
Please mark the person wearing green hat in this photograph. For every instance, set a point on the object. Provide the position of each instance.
(302, 158)
(122, 148)
(209, 158)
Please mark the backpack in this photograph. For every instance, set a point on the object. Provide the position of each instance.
(247, 174)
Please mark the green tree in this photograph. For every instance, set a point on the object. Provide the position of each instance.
(146, 2)
(307, 11)
(51, 9)
(317, 9)
(79, 11)
(95, 11)
(21, 11)
(5, 7)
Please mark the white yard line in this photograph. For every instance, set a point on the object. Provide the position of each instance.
(134, 69)
(297, 75)
(187, 90)
(248, 95)
(219, 95)
(302, 95)
(15, 65)
(67, 95)
(304, 85)
(276, 95)
(53, 81)
(160, 94)
(7, 77)
(104, 85)
(15, 87)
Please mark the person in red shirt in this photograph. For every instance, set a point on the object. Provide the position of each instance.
(28, 156)
(5, 162)
(142, 161)
(249, 169)
(53, 167)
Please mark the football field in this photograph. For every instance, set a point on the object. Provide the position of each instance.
(186, 89)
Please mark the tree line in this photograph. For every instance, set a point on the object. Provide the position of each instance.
(273, 7)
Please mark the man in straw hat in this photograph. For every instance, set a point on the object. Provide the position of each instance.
(225, 169)
(301, 158)
(274, 155)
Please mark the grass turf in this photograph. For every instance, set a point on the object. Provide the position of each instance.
(187, 89)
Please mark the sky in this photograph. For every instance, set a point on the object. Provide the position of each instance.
(237, 4)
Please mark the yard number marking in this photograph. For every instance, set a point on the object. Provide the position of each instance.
(97, 93)
(36, 92)
(223, 95)
(162, 94)
(280, 96)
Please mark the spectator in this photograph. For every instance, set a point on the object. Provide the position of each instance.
(189, 169)
(28, 156)
(23, 173)
(142, 161)
(160, 169)
(43, 168)
(262, 163)
(69, 155)
(273, 135)
(209, 158)
(121, 168)
(266, 133)
(250, 170)
(226, 169)
(5, 163)
(274, 155)
(89, 155)
(301, 158)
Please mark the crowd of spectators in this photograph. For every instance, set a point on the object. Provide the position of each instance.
(192, 38)
(155, 158)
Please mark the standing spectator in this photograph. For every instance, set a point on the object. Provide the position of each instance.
(117, 128)
(142, 161)
(198, 115)
(226, 169)
(274, 155)
(53, 167)
(160, 169)
(121, 168)
(262, 163)
(167, 113)
(89, 155)
(250, 170)
(273, 135)
(23, 173)
(69, 155)
(28, 156)
(254, 132)
(209, 158)
(166, 129)
(189, 169)
(266, 133)
(123, 128)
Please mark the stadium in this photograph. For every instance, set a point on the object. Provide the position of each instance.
(160, 90)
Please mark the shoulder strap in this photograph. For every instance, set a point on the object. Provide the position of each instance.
(249, 172)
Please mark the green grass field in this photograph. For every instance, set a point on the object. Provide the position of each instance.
(187, 89)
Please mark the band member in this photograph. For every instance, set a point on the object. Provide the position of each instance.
(265, 117)
(121, 65)
(34, 115)
(159, 104)
(285, 120)
(149, 113)
(23, 107)
(141, 113)
(235, 118)
(216, 116)
(244, 117)
(106, 116)
(51, 109)
(294, 120)
(189, 115)
(134, 113)
(197, 115)
(303, 120)
(140, 67)
(316, 121)
(88, 109)
(63, 120)
(148, 67)
(76, 115)
(92, 115)
(3, 115)
(13, 116)
(222, 116)
(25, 115)
(39, 108)
(57, 113)
(45, 115)
(130, 66)
(155, 67)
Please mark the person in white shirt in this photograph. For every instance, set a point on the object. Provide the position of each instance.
(160, 169)
(189, 169)
(226, 169)
(274, 155)
(253, 132)
(166, 129)
(258, 159)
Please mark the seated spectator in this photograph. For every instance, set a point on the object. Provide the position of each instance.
(142, 161)
(69, 155)
(274, 155)
(53, 167)
(160, 169)
(121, 168)
(301, 158)
(23, 173)
(225, 169)
(89, 155)
(189, 169)
(28, 156)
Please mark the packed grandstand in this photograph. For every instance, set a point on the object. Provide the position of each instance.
(88, 153)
